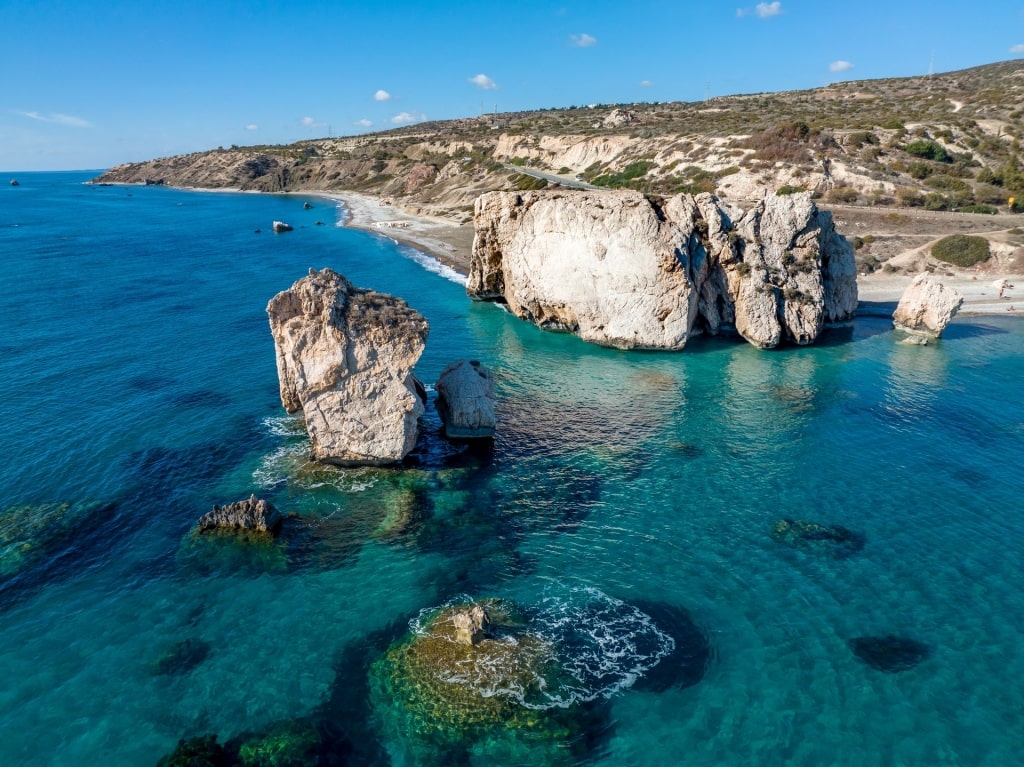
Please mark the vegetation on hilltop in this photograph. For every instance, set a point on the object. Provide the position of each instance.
(942, 142)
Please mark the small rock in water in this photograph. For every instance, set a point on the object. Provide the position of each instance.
(841, 541)
(470, 624)
(916, 340)
(251, 514)
(281, 226)
(889, 653)
(465, 400)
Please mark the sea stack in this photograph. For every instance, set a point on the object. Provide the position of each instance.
(634, 272)
(465, 400)
(345, 358)
(926, 307)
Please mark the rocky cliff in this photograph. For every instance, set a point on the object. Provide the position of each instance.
(629, 271)
(345, 358)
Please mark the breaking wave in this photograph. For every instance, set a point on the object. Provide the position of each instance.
(593, 644)
(431, 264)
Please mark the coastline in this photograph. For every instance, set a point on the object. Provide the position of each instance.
(451, 244)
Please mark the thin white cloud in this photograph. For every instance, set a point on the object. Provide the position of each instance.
(761, 10)
(646, 83)
(252, 126)
(582, 40)
(840, 66)
(58, 119)
(1019, 48)
(404, 118)
(484, 82)
(309, 122)
(364, 123)
(382, 95)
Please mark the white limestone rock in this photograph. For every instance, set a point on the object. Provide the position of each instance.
(345, 358)
(926, 307)
(623, 270)
(465, 400)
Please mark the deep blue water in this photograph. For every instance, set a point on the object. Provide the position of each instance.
(137, 383)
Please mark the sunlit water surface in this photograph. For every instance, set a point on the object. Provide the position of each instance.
(137, 375)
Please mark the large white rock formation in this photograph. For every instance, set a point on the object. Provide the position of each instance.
(345, 358)
(926, 307)
(627, 271)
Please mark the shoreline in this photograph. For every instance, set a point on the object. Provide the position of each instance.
(451, 243)
(448, 242)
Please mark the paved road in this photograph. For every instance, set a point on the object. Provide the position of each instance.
(551, 178)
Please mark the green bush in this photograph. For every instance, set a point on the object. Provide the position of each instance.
(632, 172)
(782, 191)
(988, 210)
(928, 150)
(961, 250)
(860, 138)
(920, 170)
(947, 183)
(526, 183)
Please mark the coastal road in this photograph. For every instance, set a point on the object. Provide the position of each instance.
(551, 178)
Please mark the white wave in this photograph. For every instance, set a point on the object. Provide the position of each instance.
(431, 264)
(285, 425)
(599, 645)
(278, 466)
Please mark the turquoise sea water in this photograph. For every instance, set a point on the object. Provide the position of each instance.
(137, 383)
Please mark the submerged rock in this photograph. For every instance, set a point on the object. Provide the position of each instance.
(624, 270)
(201, 751)
(465, 400)
(926, 307)
(835, 539)
(527, 686)
(688, 660)
(32, 533)
(301, 742)
(251, 514)
(181, 657)
(437, 695)
(345, 358)
(889, 653)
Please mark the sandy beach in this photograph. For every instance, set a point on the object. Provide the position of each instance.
(449, 242)
(879, 293)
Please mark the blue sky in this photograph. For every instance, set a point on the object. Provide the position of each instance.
(92, 84)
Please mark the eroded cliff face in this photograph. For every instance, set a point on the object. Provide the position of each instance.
(623, 270)
(345, 358)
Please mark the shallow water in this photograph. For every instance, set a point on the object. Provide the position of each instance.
(137, 372)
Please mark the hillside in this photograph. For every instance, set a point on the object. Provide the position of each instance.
(945, 142)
